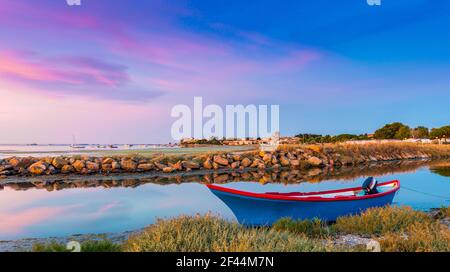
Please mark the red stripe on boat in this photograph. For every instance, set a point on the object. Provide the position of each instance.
(291, 196)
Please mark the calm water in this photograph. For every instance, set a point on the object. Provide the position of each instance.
(38, 213)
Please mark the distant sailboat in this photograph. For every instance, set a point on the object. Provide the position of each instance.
(74, 144)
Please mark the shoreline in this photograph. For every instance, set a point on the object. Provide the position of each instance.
(26, 244)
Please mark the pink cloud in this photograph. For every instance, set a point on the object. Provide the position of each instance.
(16, 221)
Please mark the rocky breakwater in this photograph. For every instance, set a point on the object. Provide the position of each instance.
(299, 158)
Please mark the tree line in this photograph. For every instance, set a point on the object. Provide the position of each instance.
(396, 130)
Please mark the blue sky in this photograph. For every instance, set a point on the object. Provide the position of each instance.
(110, 70)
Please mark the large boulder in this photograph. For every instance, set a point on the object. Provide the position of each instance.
(92, 166)
(116, 166)
(15, 162)
(220, 160)
(59, 162)
(168, 169)
(284, 161)
(190, 164)
(66, 169)
(160, 166)
(208, 164)
(128, 165)
(38, 168)
(108, 161)
(79, 165)
(246, 162)
(314, 161)
(145, 166)
(6, 167)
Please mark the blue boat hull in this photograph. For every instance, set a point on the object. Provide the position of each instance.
(257, 212)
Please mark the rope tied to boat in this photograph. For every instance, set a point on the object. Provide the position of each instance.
(446, 198)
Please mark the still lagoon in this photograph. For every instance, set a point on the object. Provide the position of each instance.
(38, 213)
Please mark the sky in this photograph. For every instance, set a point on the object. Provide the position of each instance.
(110, 71)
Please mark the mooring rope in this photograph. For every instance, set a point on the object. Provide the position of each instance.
(447, 198)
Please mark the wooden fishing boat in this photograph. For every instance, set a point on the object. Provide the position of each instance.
(266, 208)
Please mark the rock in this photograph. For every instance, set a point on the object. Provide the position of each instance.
(294, 163)
(235, 165)
(190, 164)
(208, 164)
(14, 162)
(246, 162)
(37, 168)
(6, 167)
(274, 160)
(284, 161)
(92, 166)
(160, 166)
(59, 162)
(267, 158)
(177, 166)
(220, 160)
(108, 161)
(6, 173)
(237, 157)
(51, 170)
(128, 165)
(106, 167)
(78, 165)
(168, 169)
(256, 163)
(221, 178)
(66, 169)
(314, 172)
(145, 166)
(116, 166)
(216, 165)
(315, 161)
(261, 154)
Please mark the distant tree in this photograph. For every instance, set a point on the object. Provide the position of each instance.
(442, 132)
(395, 130)
(403, 133)
(420, 132)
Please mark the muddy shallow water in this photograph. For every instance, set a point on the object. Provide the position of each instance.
(60, 206)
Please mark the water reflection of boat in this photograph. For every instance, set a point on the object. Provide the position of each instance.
(266, 208)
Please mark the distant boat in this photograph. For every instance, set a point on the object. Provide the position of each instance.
(74, 145)
(112, 146)
(266, 208)
(33, 144)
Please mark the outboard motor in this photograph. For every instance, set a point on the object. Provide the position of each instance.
(370, 186)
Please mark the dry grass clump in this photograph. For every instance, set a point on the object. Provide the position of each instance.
(418, 237)
(212, 234)
(87, 246)
(312, 228)
(375, 149)
(377, 221)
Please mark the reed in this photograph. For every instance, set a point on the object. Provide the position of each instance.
(378, 221)
(212, 234)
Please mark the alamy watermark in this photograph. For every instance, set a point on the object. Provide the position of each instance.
(374, 2)
(73, 2)
(236, 121)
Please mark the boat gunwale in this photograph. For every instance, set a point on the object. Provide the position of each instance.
(277, 196)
